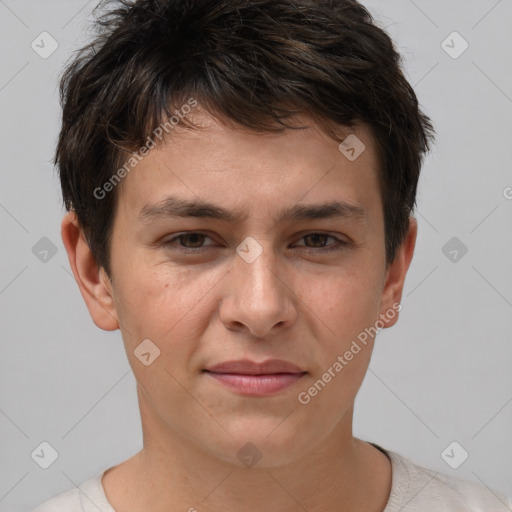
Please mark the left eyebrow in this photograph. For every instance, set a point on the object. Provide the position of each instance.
(174, 207)
(330, 210)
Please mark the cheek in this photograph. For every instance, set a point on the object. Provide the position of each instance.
(343, 301)
(165, 304)
(344, 312)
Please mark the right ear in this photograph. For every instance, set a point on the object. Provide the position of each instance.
(94, 284)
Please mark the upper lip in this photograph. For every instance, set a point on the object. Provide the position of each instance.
(247, 367)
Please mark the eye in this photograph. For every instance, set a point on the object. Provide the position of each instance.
(319, 240)
(188, 242)
(193, 242)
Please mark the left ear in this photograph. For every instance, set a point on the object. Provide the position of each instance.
(395, 276)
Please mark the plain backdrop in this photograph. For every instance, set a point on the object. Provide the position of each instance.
(441, 375)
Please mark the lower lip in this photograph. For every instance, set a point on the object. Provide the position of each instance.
(257, 385)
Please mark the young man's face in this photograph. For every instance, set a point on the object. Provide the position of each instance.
(313, 289)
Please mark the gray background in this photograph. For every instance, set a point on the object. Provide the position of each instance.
(443, 374)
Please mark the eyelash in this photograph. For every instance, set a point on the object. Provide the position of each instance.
(172, 245)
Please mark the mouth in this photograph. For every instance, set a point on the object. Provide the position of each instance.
(256, 379)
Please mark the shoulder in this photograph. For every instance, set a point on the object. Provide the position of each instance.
(89, 497)
(418, 489)
(68, 501)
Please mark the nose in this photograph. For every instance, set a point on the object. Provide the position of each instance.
(257, 299)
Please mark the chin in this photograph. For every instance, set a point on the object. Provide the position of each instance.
(263, 444)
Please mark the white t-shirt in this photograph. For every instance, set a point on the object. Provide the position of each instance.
(413, 489)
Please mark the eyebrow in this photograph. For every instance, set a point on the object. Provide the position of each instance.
(174, 207)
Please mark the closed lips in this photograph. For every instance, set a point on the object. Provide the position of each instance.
(247, 367)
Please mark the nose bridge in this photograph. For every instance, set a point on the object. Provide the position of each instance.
(256, 267)
(257, 297)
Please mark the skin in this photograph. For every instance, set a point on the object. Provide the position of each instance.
(294, 302)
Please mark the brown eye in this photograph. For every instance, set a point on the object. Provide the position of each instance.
(318, 243)
(317, 239)
(187, 242)
(192, 240)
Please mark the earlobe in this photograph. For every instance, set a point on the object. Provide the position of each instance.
(395, 277)
(92, 280)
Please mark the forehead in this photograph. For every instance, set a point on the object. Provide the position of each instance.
(227, 164)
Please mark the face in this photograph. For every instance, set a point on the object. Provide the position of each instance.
(285, 262)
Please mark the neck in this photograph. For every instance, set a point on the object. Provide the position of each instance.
(171, 473)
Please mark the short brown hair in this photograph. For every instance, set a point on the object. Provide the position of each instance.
(254, 62)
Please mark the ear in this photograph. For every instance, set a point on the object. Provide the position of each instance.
(395, 276)
(92, 280)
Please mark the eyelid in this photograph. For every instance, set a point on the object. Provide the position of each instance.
(330, 235)
(177, 236)
(339, 244)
